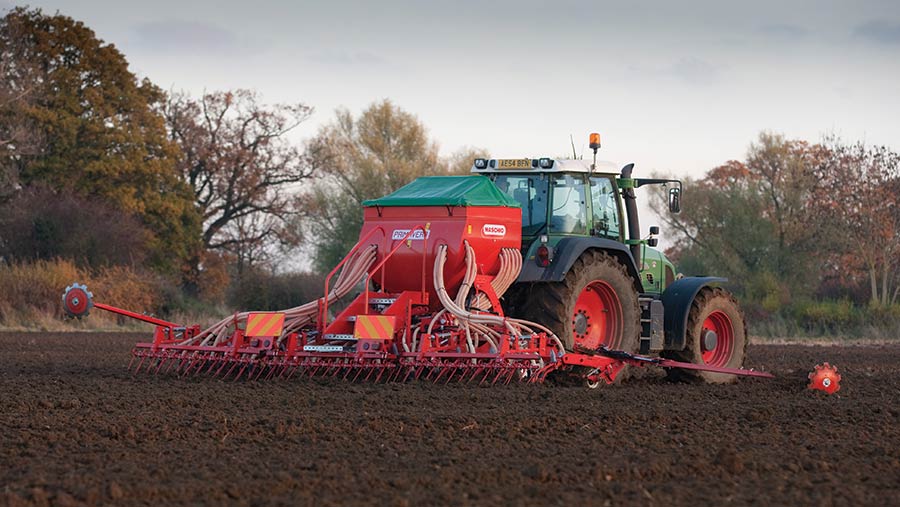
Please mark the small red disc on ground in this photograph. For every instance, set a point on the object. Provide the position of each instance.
(825, 378)
(77, 301)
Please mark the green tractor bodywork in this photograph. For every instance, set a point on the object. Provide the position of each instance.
(590, 276)
(574, 202)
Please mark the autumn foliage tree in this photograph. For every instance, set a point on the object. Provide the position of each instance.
(754, 221)
(242, 168)
(362, 158)
(19, 135)
(79, 121)
(860, 199)
(797, 225)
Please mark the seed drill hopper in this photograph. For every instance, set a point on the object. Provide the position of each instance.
(431, 265)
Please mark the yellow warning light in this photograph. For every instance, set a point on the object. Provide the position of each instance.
(595, 141)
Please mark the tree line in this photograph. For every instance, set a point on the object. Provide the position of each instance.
(102, 168)
(805, 231)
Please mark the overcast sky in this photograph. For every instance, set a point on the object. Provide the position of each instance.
(673, 86)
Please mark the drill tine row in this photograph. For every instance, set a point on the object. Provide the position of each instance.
(234, 366)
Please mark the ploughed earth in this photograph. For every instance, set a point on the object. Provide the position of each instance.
(77, 428)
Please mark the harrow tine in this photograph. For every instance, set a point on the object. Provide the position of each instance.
(398, 373)
(234, 364)
(190, 364)
(176, 358)
(139, 359)
(141, 363)
(441, 373)
(159, 365)
(251, 370)
(242, 370)
(225, 361)
(453, 372)
(197, 359)
(487, 373)
(213, 361)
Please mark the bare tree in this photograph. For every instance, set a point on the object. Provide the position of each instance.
(241, 166)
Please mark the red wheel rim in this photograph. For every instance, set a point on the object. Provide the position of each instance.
(719, 353)
(597, 319)
(77, 301)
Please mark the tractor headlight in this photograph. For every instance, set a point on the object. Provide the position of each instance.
(481, 163)
(546, 163)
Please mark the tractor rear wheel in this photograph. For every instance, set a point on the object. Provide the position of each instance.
(716, 335)
(595, 305)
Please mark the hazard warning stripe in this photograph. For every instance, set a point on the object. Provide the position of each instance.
(374, 327)
(265, 324)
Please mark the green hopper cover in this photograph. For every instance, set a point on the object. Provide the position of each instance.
(446, 191)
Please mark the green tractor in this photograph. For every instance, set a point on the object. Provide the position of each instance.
(590, 277)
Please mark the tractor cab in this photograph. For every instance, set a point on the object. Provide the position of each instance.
(565, 199)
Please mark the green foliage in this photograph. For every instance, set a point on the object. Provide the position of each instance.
(43, 224)
(101, 133)
(827, 316)
(364, 158)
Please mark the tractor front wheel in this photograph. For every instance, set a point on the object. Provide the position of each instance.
(716, 335)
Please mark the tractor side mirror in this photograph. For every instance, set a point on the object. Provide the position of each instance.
(654, 230)
(675, 200)
(652, 242)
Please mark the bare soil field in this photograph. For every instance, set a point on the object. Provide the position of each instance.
(78, 429)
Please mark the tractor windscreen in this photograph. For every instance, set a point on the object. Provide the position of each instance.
(530, 191)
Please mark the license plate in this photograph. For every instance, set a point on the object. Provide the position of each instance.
(519, 163)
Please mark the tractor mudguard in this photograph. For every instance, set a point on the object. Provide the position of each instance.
(677, 299)
(568, 250)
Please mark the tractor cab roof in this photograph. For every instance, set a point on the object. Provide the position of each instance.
(542, 165)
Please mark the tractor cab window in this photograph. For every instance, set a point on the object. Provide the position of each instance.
(530, 191)
(604, 204)
(568, 205)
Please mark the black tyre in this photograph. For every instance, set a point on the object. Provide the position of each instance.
(716, 335)
(595, 304)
